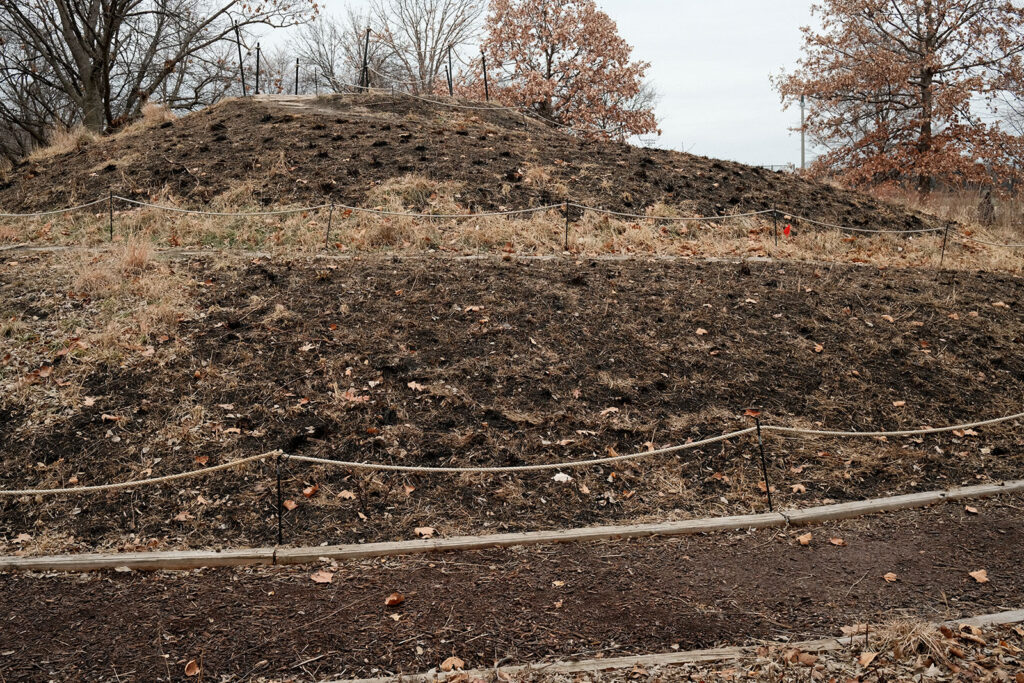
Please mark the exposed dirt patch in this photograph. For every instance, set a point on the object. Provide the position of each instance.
(488, 362)
(513, 605)
(277, 153)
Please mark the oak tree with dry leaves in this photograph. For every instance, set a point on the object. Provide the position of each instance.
(912, 91)
(567, 62)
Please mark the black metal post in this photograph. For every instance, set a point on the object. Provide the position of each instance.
(451, 74)
(296, 76)
(487, 89)
(567, 225)
(945, 237)
(280, 503)
(241, 65)
(764, 465)
(775, 224)
(110, 208)
(365, 78)
(330, 216)
(448, 77)
(257, 68)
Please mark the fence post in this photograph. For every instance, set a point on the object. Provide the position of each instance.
(330, 215)
(775, 224)
(280, 503)
(241, 65)
(364, 77)
(487, 88)
(764, 465)
(296, 76)
(945, 237)
(567, 225)
(257, 68)
(110, 209)
(448, 76)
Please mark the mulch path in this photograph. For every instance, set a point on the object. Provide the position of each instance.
(512, 605)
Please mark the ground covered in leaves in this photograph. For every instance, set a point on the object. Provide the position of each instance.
(117, 365)
(301, 151)
(531, 605)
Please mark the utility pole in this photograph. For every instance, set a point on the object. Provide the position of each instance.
(803, 137)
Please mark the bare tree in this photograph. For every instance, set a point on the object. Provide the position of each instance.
(335, 47)
(97, 62)
(420, 33)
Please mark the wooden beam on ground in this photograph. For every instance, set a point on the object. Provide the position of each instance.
(668, 659)
(267, 556)
(169, 559)
(599, 533)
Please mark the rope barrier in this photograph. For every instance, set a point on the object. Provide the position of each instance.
(991, 244)
(909, 432)
(514, 212)
(55, 211)
(519, 468)
(175, 209)
(670, 218)
(865, 230)
(144, 482)
(508, 469)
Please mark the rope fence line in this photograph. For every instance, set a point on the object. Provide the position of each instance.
(412, 469)
(563, 206)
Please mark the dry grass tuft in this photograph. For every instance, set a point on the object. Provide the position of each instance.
(63, 141)
(152, 116)
(135, 256)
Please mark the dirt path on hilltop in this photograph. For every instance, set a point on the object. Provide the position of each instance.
(513, 605)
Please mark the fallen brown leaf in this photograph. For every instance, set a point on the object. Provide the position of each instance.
(452, 663)
(866, 658)
(981, 575)
(192, 668)
(290, 505)
(837, 541)
(805, 539)
(394, 600)
(322, 576)
(891, 578)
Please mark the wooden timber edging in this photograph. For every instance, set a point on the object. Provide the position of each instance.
(192, 559)
(667, 659)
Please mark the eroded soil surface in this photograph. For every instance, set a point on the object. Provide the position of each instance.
(289, 152)
(514, 605)
(435, 362)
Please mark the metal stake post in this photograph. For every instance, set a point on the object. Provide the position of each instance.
(330, 215)
(487, 88)
(241, 65)
(296, 76)
(364, 78)
(451, 74)
(567, 225)
(945, 237)
(257, 68)
(280, 503)
(775, 225)
(764, 465)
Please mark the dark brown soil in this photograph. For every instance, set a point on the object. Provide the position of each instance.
(489, 362)
(514, 605)
(340, 148)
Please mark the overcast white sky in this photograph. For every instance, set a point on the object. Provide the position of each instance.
(710, 59)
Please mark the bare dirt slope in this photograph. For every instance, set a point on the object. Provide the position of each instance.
(431, 362)
(275, 151)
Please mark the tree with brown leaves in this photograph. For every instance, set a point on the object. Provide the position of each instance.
(566, 61)
(911, 90)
